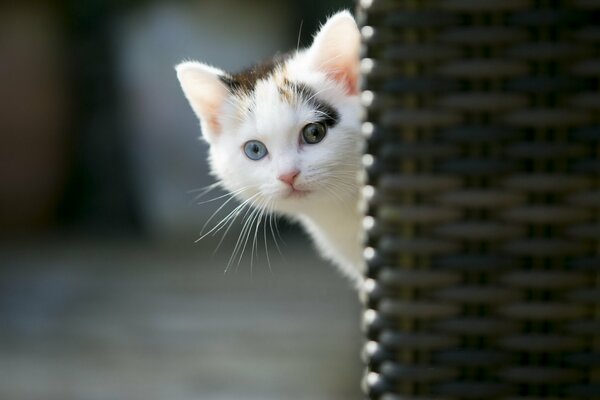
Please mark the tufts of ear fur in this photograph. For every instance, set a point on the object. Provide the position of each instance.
(205, 92)
(335, 51)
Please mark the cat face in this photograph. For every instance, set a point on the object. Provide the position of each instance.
(284, 134)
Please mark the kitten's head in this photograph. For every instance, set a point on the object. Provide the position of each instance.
(284, 133)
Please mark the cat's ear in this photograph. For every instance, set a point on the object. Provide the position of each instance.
(206, 92)
(335, 50)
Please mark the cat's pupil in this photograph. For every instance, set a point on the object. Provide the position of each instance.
(255, 150)
(313, 133)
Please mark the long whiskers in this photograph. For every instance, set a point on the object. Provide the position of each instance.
(203, 191)
(224, 220)
(254, 217)
(242, 238)
(254, 211)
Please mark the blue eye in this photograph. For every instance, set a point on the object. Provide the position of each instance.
(255, 150)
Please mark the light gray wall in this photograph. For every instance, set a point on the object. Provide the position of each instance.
(169, 160)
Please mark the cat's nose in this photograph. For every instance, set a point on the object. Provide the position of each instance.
(289, 177)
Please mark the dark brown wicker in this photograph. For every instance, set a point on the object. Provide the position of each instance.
(483, 161)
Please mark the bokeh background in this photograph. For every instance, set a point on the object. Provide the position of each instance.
(104, 293)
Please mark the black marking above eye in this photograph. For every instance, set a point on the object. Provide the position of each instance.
(329, 114)
(326, 113)
(255, 150)
(313, 133)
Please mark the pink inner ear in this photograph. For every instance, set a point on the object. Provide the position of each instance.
(336, 49)
(348, 79)
(214, 125)
(210, 112)
(342, 66)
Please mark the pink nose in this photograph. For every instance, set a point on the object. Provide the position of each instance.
(289, 177)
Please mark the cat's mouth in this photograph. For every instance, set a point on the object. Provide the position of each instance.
(295, 193)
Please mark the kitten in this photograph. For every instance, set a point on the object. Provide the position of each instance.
(284, 136)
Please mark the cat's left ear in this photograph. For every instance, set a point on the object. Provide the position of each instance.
(335, 50)
(205, 92)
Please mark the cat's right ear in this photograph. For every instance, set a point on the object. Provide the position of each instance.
(335, 51)
(206, 92)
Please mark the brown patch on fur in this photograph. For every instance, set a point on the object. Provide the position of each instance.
(283, 84)
(280, 75)
(245, 81)
(286, 93)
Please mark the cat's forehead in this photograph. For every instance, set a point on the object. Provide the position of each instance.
(273, 96)
(269, 82)
(283, 103)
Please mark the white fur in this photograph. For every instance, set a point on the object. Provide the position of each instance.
(329, 169)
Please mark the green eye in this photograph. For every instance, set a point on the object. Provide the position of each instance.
(313, 133)
(255, 150)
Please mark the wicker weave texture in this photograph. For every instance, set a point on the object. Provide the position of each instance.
(483, 161)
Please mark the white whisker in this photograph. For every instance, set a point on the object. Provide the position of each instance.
(240, 237)
(216, 228)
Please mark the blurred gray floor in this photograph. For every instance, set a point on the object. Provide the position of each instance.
(112, 319)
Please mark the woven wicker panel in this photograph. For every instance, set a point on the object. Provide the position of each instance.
(483, 161)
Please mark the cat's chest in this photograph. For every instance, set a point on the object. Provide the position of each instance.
(336, 232)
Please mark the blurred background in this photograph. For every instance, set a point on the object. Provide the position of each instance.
(103, 292)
